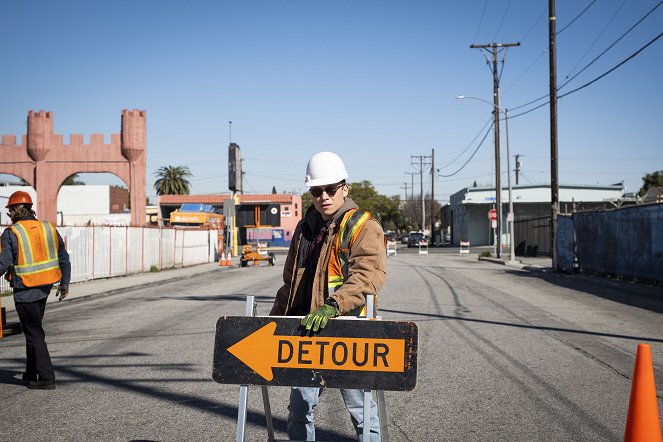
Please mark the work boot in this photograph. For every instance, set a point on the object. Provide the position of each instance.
(28, 377)
(42, 385)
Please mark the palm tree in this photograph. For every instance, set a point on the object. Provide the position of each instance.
(172, 180)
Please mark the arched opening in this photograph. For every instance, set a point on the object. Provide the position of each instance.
(93, 199)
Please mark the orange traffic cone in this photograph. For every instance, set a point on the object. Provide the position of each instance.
(229, 260)
(642, 421)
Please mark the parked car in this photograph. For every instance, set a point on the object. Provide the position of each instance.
(415, 238)
(403, 237)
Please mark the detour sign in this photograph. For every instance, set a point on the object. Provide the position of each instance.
(375, 355)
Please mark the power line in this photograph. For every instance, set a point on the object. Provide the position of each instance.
(483, 12)
(583, 69)
(576, 18)
(597, 37)
(612, 45)
(633, 55)
(471, 156)
(614, 68)
(499, 28)
(469, 145)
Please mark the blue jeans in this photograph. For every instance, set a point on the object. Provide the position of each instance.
(303, 401)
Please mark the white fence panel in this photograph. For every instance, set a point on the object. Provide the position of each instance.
(104, 251)
(120, 251)
(167, 248)
(101, 245)
(151, 249)
(136, 250)
(78, 242)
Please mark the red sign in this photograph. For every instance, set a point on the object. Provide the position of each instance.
(492, 215)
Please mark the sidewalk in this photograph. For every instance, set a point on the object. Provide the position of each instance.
(106, 286)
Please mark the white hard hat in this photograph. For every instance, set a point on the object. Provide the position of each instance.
(325, 168)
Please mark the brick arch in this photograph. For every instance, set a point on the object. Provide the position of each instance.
(44, 162)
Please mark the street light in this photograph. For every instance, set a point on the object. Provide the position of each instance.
(510, 216)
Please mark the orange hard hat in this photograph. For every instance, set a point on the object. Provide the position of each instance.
(19, 197)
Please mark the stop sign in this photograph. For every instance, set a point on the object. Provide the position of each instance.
(492, 215)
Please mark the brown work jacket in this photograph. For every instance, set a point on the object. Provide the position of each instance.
(366, 272)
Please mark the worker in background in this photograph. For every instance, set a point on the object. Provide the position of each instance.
(337, 256)
(34, 258)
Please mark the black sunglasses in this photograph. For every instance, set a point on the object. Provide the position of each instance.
(316, 192)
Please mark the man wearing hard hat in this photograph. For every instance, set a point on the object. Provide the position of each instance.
(34, 257)
(336, 257)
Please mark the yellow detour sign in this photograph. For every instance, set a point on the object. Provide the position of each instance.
(374, 355)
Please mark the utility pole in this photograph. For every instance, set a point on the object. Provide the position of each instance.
(410, 202)
(554, 184)
(412, 174)
(405, 187)
(496, 116)
(432, 195)
(421, 181)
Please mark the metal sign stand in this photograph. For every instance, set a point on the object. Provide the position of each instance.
(250, 310)
(371, 314)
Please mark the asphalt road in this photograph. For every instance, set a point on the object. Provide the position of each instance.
(504, 354)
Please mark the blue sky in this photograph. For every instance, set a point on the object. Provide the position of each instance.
(374, 81)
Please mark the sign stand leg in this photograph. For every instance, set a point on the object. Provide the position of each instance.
(382, 414)
(250, 310)
(268, 413)
(371, 313)
(241, 411)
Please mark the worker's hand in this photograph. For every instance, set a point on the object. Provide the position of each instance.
(319, 318)
(63, 291)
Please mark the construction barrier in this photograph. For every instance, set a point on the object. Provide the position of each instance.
(423, 247)
(361, 353)
(464, 247)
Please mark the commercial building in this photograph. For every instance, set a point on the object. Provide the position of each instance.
(268, 218)
(469, 207)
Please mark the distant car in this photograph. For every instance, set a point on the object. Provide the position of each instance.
(403, 237)
(414, 239)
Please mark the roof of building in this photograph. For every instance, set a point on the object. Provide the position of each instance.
(218, 199)
(539, 194)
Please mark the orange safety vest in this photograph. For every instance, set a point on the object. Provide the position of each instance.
(37, 253)
(337, 268)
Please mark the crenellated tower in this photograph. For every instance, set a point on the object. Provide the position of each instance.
(133, 134)
(45, 162)
(40, 132)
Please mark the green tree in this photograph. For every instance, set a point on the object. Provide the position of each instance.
(73, 180)
(654, 179)
(273, 190)
(383, 208)
(172, 180)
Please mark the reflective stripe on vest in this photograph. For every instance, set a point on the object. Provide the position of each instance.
(38, 262)
(337, 270)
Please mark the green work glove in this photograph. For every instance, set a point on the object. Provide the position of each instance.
(319, 318)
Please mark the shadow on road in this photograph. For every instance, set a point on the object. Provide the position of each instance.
(527, 326)
(629, 293)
